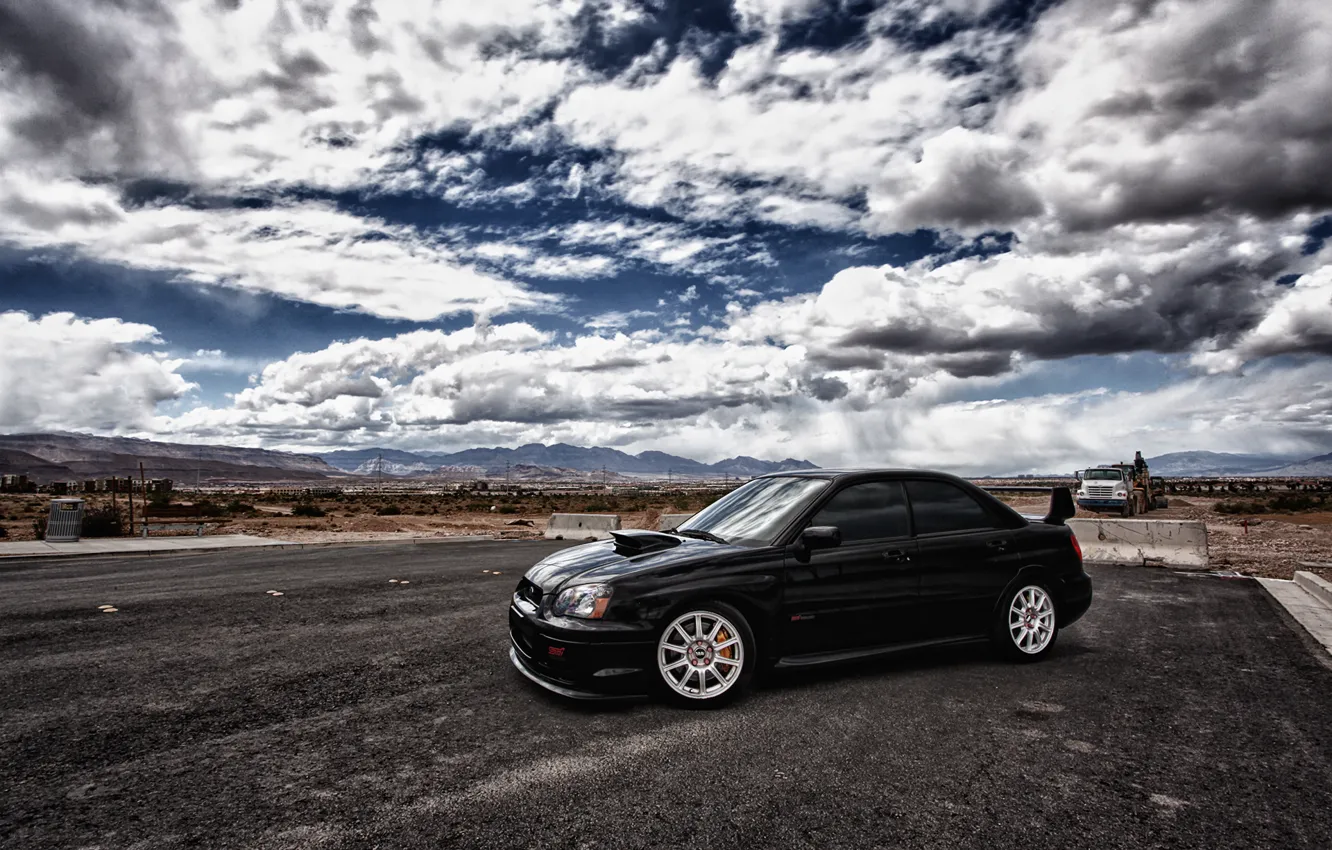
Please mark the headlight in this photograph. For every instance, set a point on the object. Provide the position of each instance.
(588, 601)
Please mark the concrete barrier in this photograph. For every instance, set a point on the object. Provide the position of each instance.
(581, 526)
(671, 521)
(1142, 541)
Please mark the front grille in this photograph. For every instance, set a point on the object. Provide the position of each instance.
(1100, 491)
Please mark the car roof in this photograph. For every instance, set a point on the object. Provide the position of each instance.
(862, 472)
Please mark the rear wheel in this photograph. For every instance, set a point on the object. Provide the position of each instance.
(705, 655)
(1027, 624)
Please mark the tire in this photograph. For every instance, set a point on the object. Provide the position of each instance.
(1127, 510)
(1027, 622)
(717, 648)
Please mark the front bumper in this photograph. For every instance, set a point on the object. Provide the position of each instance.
(1102, 504)
(581, 662)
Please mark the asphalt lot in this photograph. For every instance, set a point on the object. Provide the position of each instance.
(352, 712)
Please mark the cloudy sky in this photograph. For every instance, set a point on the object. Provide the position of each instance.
(982, 235)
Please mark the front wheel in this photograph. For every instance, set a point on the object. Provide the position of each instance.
(1026, 625)
(705, 655)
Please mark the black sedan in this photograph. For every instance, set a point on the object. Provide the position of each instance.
(796, 569)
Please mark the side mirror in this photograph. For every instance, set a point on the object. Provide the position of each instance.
(820, 537)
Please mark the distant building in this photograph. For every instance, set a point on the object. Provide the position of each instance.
(16, 484)
(305, 492)
(153, 486)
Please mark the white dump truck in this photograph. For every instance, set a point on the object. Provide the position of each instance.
(1106, 489)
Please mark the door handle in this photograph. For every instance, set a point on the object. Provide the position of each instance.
(1000, 545)
(896, 556)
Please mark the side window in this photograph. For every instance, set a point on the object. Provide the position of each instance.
(869, 511)
(940, 506)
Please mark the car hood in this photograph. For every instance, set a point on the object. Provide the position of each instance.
(600, 561)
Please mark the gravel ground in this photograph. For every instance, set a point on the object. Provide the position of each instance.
(353, 711)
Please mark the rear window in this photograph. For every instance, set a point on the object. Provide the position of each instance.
(938, 506)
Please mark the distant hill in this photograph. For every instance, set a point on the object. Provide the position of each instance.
(1205, 464)
(1314, 467)
(67, 457)
(13, 462)
(375, 466)
(1214, 463)
(560, 456)
(348, 461)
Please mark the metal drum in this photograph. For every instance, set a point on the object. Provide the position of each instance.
(65, 522)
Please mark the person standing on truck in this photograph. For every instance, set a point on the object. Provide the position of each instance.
(1139, 464)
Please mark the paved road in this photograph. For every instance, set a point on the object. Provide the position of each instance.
(351, 712)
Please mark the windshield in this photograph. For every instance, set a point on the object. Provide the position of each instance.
(1102, 475)
(754, 514)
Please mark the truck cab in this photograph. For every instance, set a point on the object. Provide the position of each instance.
(1106, 490)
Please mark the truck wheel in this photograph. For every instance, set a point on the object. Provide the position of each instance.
(1127, 510)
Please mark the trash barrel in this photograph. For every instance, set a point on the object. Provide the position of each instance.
(65, 522)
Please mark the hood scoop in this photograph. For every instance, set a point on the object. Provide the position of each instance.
(634, 542)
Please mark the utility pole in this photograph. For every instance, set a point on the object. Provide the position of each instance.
(129, 497)
(144, 487)
(506, 472)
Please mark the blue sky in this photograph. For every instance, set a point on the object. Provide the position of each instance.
(970, 234)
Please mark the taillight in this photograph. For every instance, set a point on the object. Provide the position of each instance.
(1076, 547)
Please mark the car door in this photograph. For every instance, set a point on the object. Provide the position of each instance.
(859, 594)
(965, 558)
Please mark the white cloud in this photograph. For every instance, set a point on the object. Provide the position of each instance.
(305, 251)
(60, 372)
(569, 266)
(712, 398)
(1299, 321)
(683, 138)
(615, 319)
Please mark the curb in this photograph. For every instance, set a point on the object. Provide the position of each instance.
(1311, 608)
(1315, 586)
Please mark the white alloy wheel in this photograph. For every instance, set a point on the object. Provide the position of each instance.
(700, 655)
(1031, 619)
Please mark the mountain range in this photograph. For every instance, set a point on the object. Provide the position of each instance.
(72, 457)
(1218, 464)
(68, 457)
(495, 461)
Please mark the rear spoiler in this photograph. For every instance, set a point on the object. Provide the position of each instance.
(1061, 502)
